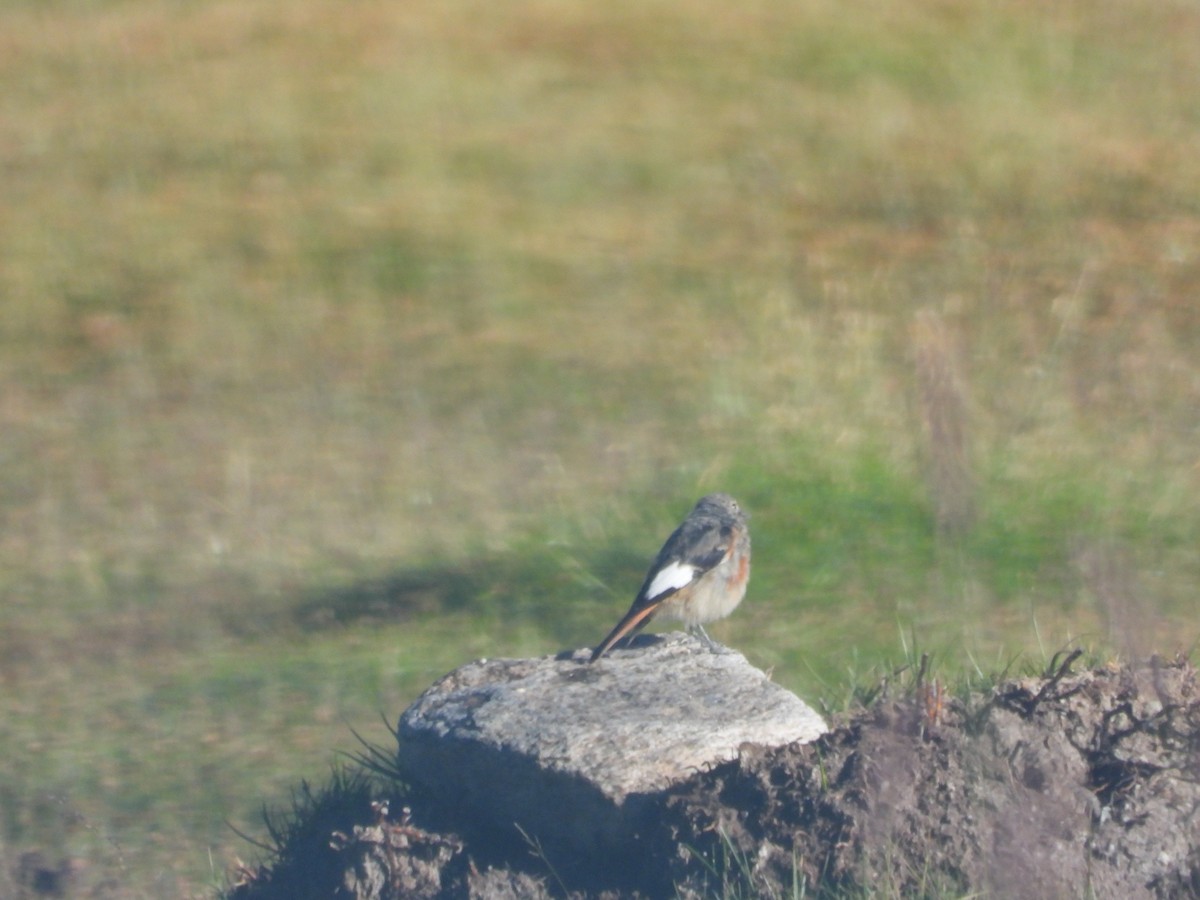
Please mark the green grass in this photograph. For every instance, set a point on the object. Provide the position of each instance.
(340, 344)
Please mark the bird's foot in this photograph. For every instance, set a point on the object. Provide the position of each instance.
(713, 646)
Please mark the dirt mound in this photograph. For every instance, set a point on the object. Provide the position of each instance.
(1063, 786)
(1067, 785)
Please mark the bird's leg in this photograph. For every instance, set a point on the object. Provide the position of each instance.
(698, 631)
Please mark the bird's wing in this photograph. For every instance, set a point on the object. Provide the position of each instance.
(694, 548)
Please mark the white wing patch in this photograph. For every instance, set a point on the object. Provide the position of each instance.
(671, 577)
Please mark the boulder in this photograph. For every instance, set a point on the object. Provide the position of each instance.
(573, 754)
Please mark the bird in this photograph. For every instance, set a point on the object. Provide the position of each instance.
(699, 575)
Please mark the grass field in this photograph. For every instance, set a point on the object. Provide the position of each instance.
(342, 343)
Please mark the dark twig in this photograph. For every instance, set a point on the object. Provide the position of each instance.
(1055, 672)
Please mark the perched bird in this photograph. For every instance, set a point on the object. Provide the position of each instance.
(699, 576)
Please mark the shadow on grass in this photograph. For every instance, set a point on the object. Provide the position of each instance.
(394, 597)
(566, 593)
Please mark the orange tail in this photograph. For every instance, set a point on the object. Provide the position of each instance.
(634, 620)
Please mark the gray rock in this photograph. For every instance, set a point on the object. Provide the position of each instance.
(573, 754)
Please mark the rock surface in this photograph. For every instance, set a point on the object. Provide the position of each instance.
(570, 752)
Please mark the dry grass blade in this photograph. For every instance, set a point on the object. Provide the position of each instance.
(942, 395)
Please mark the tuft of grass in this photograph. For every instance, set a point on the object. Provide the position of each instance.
(732, 874)
(299, 859)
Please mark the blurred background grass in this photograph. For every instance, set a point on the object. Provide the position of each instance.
(341, 343)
